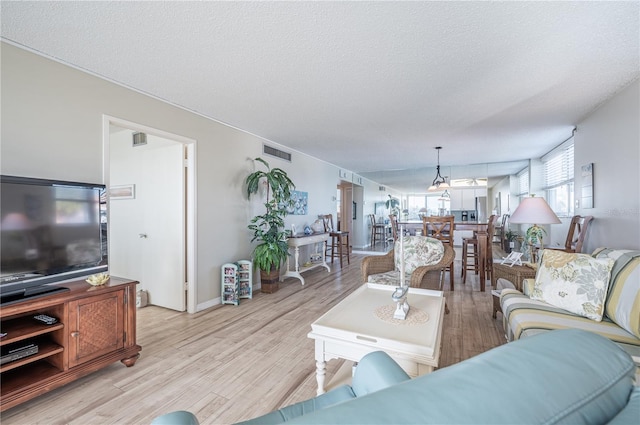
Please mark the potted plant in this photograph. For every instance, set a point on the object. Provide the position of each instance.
(510, 236)
(393, 205)
(268, 228)
(532, 237)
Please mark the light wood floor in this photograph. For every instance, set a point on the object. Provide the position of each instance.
(231, 363)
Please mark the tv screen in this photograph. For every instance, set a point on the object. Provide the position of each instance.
(50, 231)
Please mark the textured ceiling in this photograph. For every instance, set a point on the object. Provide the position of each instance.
(368, 86)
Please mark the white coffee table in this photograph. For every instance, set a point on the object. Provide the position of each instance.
(352, 329)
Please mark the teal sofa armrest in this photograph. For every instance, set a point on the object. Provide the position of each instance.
(377, 371)
(327, 399)
(630, 415)
(179, 417)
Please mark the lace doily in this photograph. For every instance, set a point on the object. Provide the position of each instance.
(415, 316)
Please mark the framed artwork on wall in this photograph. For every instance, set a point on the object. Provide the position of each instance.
(299, 203)
(586, 174)
(125, 191)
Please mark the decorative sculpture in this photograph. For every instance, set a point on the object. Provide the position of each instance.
(402, 305)
(400, 294)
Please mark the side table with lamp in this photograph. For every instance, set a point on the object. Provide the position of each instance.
(532, 210)
(514, 274)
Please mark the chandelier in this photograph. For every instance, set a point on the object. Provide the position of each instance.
(439, 182)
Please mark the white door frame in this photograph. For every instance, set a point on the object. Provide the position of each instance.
(190, 213)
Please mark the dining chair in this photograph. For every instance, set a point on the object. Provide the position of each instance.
(377, 230)
(440, 227)
(339, 240)
(576, 234)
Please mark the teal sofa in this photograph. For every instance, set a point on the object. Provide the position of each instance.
(536, 380)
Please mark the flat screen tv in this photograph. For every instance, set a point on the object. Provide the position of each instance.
(50, 231)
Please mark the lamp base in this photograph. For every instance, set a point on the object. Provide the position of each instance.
(402, 309)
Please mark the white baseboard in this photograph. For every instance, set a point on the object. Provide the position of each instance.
(208, 304)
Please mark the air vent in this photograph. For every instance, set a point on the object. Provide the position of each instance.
(139, 139)
(382, 188)
(268, 150)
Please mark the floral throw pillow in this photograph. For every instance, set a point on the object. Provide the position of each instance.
(575, 282)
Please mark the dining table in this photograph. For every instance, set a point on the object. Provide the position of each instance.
(480, 229)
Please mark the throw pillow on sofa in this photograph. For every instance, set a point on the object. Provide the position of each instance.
(623, 301)
(574, 282)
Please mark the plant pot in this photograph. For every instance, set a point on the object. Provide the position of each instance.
(269, 280)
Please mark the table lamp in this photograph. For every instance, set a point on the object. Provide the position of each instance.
(400, 294)
(534, 211)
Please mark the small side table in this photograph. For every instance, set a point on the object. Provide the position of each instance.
(514, 274)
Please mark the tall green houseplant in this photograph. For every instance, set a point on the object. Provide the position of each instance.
(268, 228)
(392, 205)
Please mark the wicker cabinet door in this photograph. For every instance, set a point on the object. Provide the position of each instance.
(96, 326)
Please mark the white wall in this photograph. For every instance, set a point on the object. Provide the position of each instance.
(610, 139)
(52, 128)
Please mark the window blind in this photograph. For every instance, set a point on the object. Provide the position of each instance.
(523, 182)
(558, 167)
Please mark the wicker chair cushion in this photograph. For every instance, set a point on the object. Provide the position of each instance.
(418, 251)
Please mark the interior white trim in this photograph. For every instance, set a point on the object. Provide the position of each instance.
(191, 207)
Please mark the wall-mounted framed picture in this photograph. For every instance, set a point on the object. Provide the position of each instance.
(586, 173)
(124, 191)
(299, 203)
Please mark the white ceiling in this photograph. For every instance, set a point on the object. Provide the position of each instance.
(368, 86)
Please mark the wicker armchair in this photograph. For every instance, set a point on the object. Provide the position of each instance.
(428, 277)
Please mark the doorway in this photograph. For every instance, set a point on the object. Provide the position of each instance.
(151, 232)
(345, 209)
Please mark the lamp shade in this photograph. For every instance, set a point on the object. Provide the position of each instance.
(534, 211)
(15, 221)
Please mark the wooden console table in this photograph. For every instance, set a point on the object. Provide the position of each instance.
(296, 242)
(96, 326)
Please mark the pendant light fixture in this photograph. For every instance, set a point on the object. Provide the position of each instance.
(439, 182)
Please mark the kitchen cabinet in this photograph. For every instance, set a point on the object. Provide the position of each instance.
(465, 199)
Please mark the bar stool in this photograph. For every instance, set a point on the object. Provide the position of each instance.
(377, 230)
(469, 257)
(394, 228)
(466, 254)
(339, 240)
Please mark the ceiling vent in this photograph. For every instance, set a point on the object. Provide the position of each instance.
(268, 150)
(139, 139)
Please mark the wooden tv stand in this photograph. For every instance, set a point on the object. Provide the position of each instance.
(96, 327)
